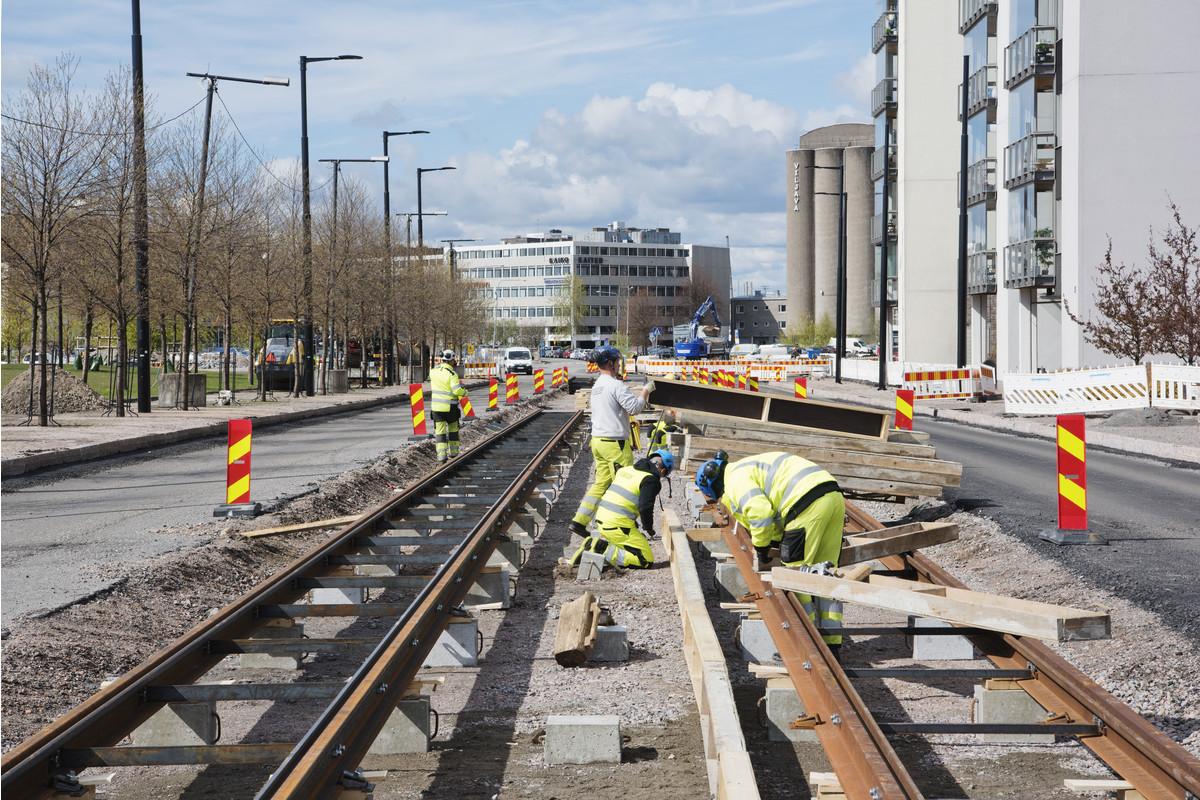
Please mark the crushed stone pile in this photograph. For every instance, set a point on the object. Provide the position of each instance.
(69, 394)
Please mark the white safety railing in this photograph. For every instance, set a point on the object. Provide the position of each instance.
(1107, 389)
(947, 383)
(773, 369)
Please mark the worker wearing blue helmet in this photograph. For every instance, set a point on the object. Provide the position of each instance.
(611, 404)
(630, 496)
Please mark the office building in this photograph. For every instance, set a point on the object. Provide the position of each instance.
(1081, 120)
(814, 170)
(527, 279)
(760, 318)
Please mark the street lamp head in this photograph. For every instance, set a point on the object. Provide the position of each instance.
(433, 169)
(277, 81)
(402, 133)
(348, 58)
(380, 158)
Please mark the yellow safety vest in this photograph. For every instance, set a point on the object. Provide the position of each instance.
(619, 506)
(761, 488)
(446, 388)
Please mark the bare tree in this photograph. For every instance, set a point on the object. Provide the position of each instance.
(50, 169)
(1175, 275)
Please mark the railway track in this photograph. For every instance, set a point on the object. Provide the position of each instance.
(433, 541)
(857, 743)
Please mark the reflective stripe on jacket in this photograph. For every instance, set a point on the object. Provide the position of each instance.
(759, 489)
(619, 506)
(446, 388)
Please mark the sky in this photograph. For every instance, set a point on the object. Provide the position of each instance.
(661, 113)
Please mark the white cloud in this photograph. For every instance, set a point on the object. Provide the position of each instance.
(858, 81)
(705, 162)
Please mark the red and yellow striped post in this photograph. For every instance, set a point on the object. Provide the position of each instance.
(468, 410)
(703, 378)
(493, 394)
(237, 473)
(539, 381)
(741, 381)
(751, 382)
(904, 409)
(801, 388)
(1072, 473)
(416, 399)
(512, 392)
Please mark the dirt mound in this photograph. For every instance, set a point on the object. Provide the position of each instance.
(69, 394)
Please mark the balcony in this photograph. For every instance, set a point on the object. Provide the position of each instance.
(1030, 159)
(981, 92)
(981, 181)
(883, 98)
(1031, 262)
(877, 228)
(1031, 54)
(981, 272)
(971, 11)
(883, 157)
(891, 291)
(883, 32)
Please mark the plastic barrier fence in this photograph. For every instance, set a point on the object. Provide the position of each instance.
(1077, 392)
(943, 384)
(763, 370)
(478, 369)
(1175, 386)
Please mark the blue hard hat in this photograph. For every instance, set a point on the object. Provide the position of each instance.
(606, 355)
(667, 459)
(710, 478)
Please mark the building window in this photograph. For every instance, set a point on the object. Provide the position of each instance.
(741, 309)
(783, 323)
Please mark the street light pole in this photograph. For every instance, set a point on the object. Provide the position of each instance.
(840, 310)
(141, 221)
(885, 343)
(307, 217)
(420, 222)
(389, 364)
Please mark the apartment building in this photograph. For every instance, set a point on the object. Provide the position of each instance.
(760, 318)
(1081, 122)
(824, 160)
(528, 279)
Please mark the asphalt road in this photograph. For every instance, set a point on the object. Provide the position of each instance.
(64, 528)
(1149, 512)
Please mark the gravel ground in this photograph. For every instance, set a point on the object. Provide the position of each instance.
(69, 394)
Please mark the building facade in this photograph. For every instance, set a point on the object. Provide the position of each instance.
(760, 318)
(617, 273)
(823, 157)
(1081, 118)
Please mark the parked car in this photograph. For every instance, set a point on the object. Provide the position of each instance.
(517, 359)
(855, 347)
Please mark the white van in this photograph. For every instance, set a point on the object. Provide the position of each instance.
(517, 359)
(743, 351)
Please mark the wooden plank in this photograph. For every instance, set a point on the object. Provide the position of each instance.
(840, 419)
(704, 534)
(859, 547)
(576, 634)
(720, 426)
(332, 522)
(961, 606)
(731, 775)
(1096, 785)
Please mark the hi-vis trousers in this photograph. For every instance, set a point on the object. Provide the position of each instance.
(817, 531)
(610, 455)
(445, 432)
(622, 547)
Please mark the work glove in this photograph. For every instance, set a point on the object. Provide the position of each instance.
(764, 553)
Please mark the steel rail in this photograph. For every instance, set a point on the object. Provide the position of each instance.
(111, 713)
(339, 740)
(1156, 765)
(863, 759)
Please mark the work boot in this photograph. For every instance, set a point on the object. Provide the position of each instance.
(577, 529)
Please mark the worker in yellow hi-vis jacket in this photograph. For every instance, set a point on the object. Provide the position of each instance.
(783, 499)
(446, 389)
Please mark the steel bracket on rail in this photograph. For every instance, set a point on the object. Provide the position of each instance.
(806, 723)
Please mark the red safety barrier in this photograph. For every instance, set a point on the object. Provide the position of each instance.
(468, 410)
(416, 399)
(904, 409)
(237, 473)
(1072, 473)
(512, 392)
(752, 383)
(493, 395)
(802, 388)
(539, 381)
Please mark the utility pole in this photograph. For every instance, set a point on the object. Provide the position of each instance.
(141, 219)
(389, 366)
(962, 220)
(840, 308)
(885, 344)
(308, 387)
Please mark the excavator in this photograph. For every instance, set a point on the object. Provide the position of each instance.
(699, 342)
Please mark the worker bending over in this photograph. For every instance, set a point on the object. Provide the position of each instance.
(444, 402)
(658, 434)
(632, 494)
(786, 500)
(612, 403)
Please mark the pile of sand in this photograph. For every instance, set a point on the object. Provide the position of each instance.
(69, 393)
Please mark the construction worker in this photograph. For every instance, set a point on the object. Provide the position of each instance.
(658, 434)
(632, 494)
(446, 389)
(611, 403)
(783, 499)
